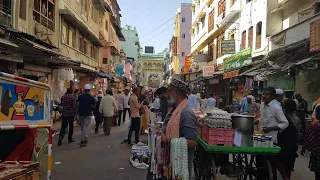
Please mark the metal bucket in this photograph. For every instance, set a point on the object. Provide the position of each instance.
(245, 125)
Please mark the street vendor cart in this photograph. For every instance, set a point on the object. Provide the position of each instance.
(25, 106)
(206, 161)
(227, 144)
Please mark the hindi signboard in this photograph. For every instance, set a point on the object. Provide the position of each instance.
(238, 60)
(208, 71)
(228, 47)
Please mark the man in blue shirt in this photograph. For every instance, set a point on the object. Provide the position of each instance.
(86, 106)
(192, 101)
(211, 101)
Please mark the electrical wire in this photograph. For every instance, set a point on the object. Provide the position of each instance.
(135, 9)
(188, 8)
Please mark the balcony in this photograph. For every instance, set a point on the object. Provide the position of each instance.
(230, 13)
(293, 34)
(102, 5)
(5, 16)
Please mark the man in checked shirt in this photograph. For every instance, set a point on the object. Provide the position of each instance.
(69, 108)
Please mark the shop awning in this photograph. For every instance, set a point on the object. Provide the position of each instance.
(104, 75)
(7, 42)
(39, 46)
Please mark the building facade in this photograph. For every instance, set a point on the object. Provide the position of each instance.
(152, 70)
(46, 39)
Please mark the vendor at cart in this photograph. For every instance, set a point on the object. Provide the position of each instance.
(183, 120)
(272, 120)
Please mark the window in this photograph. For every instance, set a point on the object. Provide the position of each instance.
(232, 2)
(64, 33)
(220, 38)
(183, 36)
(250, 37)
(258, 35)
(232, 34)
(211, 21)
(23, 9)
(107, 25)
(72, 36)
(243, 40)
(43, 13)
(210, 51)
(183, 54)
(85, 46)
(93, 51)
(81, 43)
(105, 61)
(183, 20)
(221, 7)
(203, 22)
(5, 6)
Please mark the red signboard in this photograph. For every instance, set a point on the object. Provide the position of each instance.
(230, 74)
(175, 45)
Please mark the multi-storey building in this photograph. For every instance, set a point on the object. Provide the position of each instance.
(182, 36)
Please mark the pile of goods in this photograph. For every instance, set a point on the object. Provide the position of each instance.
(140, 156)
(217, 129)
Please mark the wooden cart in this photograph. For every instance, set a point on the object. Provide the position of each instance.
(209, 158)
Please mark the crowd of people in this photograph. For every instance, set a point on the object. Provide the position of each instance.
(279, 117)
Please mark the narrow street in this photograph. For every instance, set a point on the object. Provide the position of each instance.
(106, 158)
(103, 158)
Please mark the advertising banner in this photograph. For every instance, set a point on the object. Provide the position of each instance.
(238, 60)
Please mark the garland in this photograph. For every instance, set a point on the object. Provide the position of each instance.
(179, 159)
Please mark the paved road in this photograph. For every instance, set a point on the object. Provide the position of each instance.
(105, 158)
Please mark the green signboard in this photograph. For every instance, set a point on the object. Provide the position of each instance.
(238, 60)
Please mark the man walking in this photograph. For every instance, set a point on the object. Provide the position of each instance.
(120, 102)
(97, 114)
(69, 105)
(108, 107)
(86, 106)
(126, 105)
(135, 107)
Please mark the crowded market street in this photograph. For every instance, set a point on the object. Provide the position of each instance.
(106, 158)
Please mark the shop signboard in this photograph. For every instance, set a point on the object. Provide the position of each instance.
(228, 47)
(238, 60)
(208, 71)
(230, 74)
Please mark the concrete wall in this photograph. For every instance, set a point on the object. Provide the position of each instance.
(290, 14)
(296, 33)
(129, 46)
(305, 83)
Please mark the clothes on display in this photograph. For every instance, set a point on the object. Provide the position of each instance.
(61, 81)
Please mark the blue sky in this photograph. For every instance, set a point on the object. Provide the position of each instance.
(147, 15)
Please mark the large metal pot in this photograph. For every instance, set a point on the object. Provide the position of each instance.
(243, 124)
